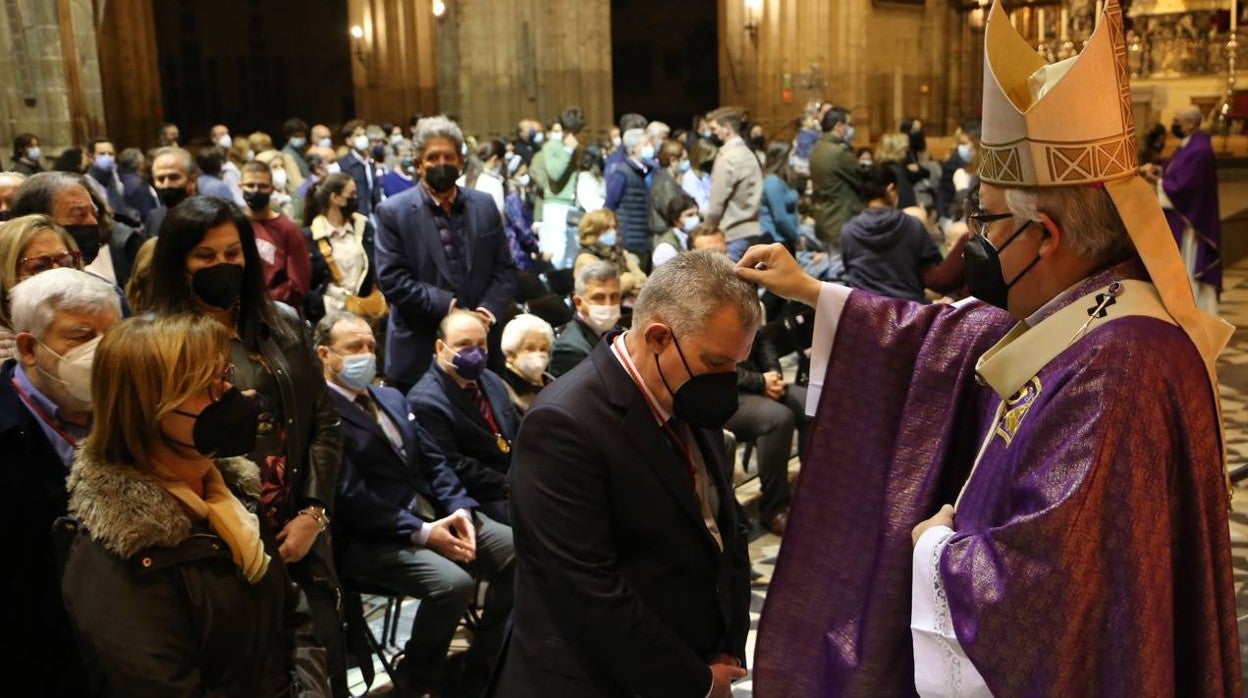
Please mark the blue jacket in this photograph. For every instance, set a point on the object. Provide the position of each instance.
(368, 194)
(377, 485)
(413, 274)
(462, 433)
(778, 215)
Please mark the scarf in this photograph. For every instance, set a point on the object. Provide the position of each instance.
(239, 528)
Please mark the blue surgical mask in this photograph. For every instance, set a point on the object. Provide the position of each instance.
(298, 143)
(33, 154)
(358, 370)
(849, 134)
(104, 163)
(683, 167)
(647, 152)
(965, 151)
(608, 238)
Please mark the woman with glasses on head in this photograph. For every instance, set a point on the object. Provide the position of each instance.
(167, 581)
(206, 263)
(29, 245)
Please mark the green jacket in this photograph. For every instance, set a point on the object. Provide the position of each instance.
(560, 184)
(837, 186)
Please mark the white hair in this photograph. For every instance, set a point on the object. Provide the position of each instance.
(35, 301)
(432, 127)
(519, 327)
(1089, 222)
(632, 139)
(658, 131)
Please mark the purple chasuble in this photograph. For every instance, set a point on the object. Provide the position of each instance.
(1191, 183)
(1091, 555)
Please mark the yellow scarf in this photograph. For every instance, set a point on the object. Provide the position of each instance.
(239, 528)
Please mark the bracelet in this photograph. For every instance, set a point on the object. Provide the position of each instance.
(318, 514)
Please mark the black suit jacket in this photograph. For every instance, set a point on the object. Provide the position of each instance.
(40, 644)
(412, 272)
(574, 344)
(377, 485)
(620, 589)
(462, 433)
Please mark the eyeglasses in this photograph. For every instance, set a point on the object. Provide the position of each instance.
(221, 383)
(29, 266)
(979, 221)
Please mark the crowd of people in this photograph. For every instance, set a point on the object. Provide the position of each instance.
(244, 384)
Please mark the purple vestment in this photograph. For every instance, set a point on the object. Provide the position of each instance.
(1091, 555)
(1191, 183)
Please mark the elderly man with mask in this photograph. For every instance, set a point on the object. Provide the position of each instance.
(1023, 494)
(45, 412)
(174, 176)
(596, 297)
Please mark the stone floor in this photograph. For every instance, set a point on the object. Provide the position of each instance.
(1233, 375)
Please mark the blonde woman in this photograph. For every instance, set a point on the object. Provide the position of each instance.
(599, 231)
(166, 578)
(29, 245)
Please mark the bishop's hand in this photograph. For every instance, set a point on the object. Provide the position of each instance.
(773, 267)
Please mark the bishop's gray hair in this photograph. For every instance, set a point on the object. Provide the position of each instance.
(432, 127)
(689, 289)
(1089, 222)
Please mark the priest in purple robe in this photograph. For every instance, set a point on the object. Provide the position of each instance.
(1023, 494)
(1189, 194)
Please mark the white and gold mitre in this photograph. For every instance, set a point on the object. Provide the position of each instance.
(1065, 123)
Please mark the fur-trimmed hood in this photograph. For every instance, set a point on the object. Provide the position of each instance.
(127, 510)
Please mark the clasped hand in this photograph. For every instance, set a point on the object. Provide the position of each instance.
(454, 537)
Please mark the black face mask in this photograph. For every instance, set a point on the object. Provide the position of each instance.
(441, 177)
(918, 142)
(218, 285)
(88, 239)
(171, 196)
(984, 277)
(226, 428)
(707, 400)
(1177, 130)
(6, 215)
(257, 200)
(349, 208)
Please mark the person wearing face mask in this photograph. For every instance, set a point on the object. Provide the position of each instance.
(321, 136)
(163, 534)
(27, 155)
(996, 472)
(284, 252)
(206, 263)
(526, 343)
(736, 184)
(46, 410)
(619, 154)
(966, 137)
(632, 564)
(591, 185)
(682, 219)
(403, 175)
(600, 241)
(484, 172)
(672, 162)
(597, 302)
(628, 194)
(295, 132)
(336, 232)
(518, 221)
(405, 522)
(102, 175)
(357, 162)
(1188, 190)
(465, 407)
(174, 177)
(560, 162)
(835, 178)
(108, 247)
(440, 247)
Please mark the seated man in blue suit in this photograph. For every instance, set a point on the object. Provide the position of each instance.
(439, 248)
(405, 523)
(466, 408)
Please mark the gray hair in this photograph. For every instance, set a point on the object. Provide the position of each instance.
(188, 162)
(37, 194)
(1089, 222)
(520, 326)
(632, 138)
(658, 131)
(597, 273)
(34, 302)
(685, 292)
(432, 127)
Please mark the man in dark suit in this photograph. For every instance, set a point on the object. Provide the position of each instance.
(633, 573)
(465, 406)
(403, 520)
(597, 301)
(439, 247)
(359, 164)
(45, 412)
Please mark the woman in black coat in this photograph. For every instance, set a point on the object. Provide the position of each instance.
(206, 263)
(167, 581)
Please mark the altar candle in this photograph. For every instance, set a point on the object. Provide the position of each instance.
(1040, 24)
(1234, 16)
(1064, 18)
(1097, 20)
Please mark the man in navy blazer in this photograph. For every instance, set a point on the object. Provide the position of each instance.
(439, 247)
(466, 408)
(632, 573)
(404, 523)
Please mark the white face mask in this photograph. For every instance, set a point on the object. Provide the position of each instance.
(251, 155)
(333, 168)
(279, 180)
(360, 143)
(532, 364)
(601, 318)
(523, 180)
(396, 138)
(326, 143)
(72, 376)
(225, 141)
(688, 223)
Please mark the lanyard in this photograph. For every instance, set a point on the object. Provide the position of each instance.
(677, 442)
(43, 416)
